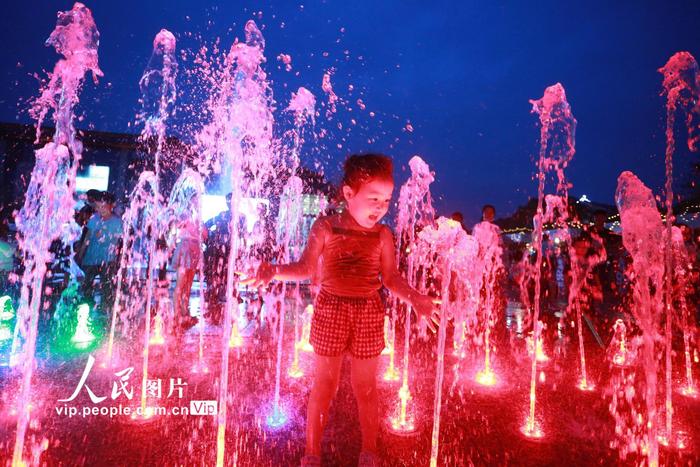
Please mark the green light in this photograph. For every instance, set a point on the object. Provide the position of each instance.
(7, 312)
(83, 335)
(5, 332)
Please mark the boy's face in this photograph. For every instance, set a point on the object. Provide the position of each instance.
(370, 203)
(103, 208)
(489, 214)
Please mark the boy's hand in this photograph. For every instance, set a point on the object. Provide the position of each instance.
(427, 307)
(264, 275)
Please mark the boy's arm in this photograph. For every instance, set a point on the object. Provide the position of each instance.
(423, 305)
(390, 274)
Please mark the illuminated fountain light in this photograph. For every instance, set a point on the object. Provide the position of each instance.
(622, 357)
(236, 340)
(277, 419)
(144, 414)
(295, 370)
(585, 385)
(387, 341)
(7, 311)
(7, 314)
(689, 391)
(391, 373)
(83, 335)
(277, 415)
(486, 377)
(157, 336)
(541, 355)
(305, 343)
(680, 440)
(532, 429)
(402, 422)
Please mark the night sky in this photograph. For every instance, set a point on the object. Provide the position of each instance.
(460, 73)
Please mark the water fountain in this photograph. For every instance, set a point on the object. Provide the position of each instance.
(582, 263)
(49, 198)
(452, 253)
(488, 237)
(415, 212)
(681, 85)
(556, 151)
(642, 232)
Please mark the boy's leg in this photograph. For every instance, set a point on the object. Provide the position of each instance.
(326, 377)
(108, 273)
(364, 385)
(183, 286)
(86, 288)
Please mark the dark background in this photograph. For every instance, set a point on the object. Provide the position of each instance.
(460, 72)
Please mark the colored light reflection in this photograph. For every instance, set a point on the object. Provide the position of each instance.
(689, 391)
(277, 419)
(486, 377)
(236, 340)
(680, 440)
(145, 415)
(5, 332)
(200, 368)
(83, 335)
(402, 427)
(295, 371)
(391, 374)
(157, 337)
(532, 430)
(585, 385)
(403, 421)
(7, 312)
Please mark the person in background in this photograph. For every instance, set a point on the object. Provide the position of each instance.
(488, 213)
(85, 213)
(459, 217)
(8, 252)
(98, 254)
(186, 259)
(218, 243)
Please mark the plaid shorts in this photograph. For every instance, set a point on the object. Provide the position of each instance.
(355, 324)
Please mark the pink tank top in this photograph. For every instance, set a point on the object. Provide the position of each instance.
(351, 262)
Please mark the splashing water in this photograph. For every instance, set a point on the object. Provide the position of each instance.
(237, 143)
(415, 212)
(557, 148)
(681, 85)
(488, 237)
(642, 232)
(455, 254)
(332, 96)
(158, 90)
(185, 212)
(49, 200)
(582, 264)
(139, 225)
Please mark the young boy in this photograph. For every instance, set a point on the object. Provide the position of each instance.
(98, 253)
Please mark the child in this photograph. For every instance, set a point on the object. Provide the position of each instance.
(358, 257)
(186, 262)
(98, 254)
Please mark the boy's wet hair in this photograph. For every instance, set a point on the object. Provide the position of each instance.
(107, 197)
(93, 194)
(362, 168)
